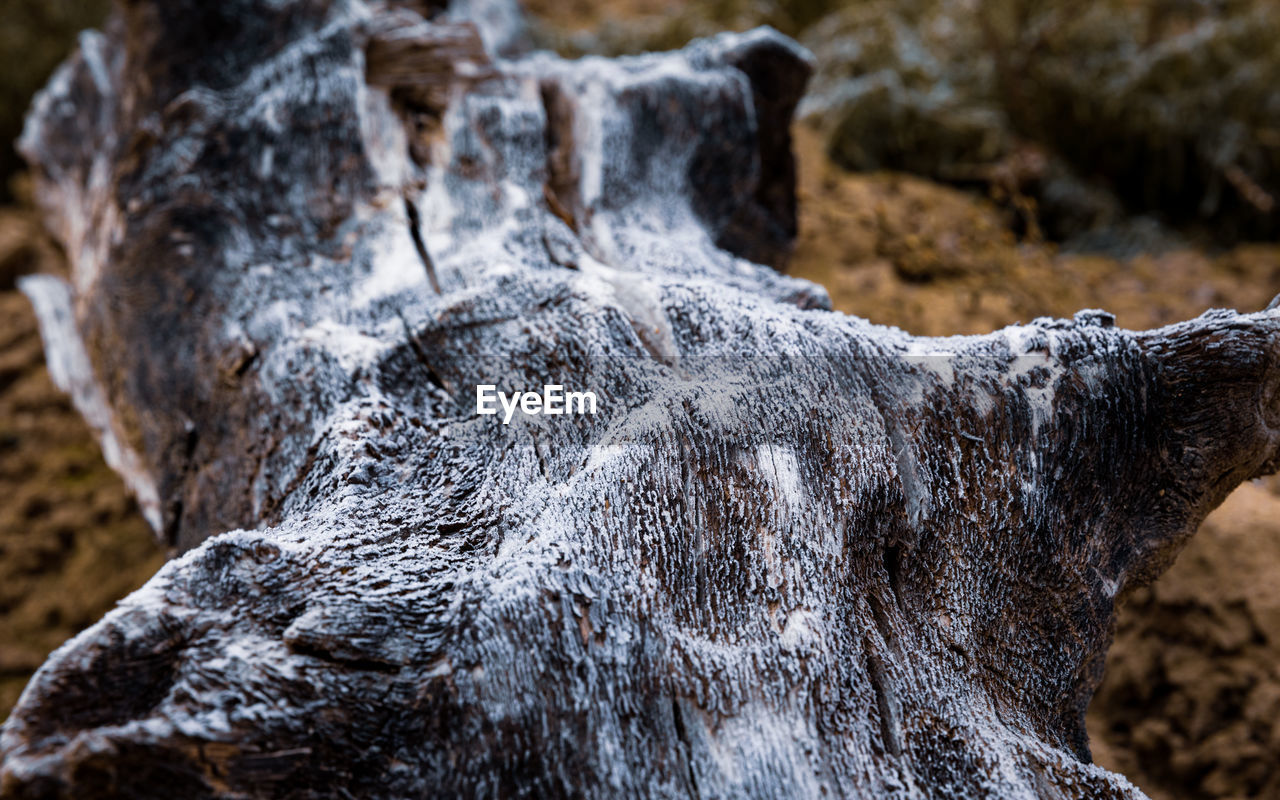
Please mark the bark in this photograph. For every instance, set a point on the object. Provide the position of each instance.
(792, 554)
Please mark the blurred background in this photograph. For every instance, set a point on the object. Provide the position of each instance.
(964, 165)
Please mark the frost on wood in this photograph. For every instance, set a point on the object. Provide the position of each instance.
(794, 553)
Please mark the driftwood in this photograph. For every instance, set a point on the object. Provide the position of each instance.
(791, 554)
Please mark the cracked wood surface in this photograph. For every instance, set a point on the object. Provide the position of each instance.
(794, 553)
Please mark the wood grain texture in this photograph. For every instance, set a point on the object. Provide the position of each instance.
(794, 554)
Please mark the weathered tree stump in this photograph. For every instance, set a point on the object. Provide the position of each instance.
(792, 554)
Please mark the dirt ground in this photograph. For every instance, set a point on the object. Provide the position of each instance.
(1190, 708)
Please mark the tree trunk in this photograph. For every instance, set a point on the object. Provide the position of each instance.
(791, 554)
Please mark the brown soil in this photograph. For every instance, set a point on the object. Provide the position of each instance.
(901, 250)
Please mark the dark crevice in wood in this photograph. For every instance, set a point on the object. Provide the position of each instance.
(876, 672)
(686, 747)
(420, 353)
(893, 568)
(362, 664)
(415, 231)
(884, 701)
